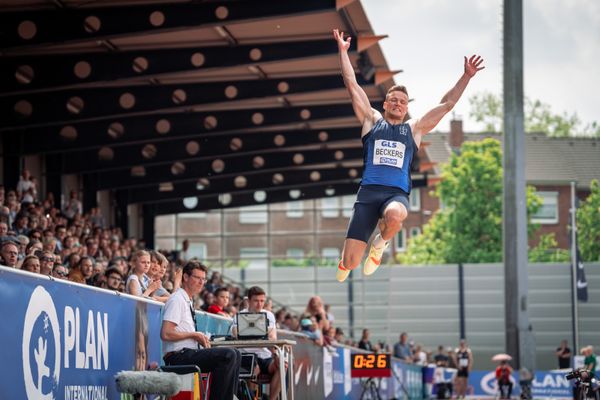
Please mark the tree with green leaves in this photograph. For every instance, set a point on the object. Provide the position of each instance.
(588, 225)
(468, 228)
(487, 109)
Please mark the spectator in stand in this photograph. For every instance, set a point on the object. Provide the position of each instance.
(46, 263)
(329, 337)
(269, 304)
(92, 248)
(24, 183)
(138, 283)
(86, 267)
(563, 352)
(33, 246)
(214, 282)
(310, 328)
(208, 299)
(10, 254)
(419, 356)
(221, 301)
(49, 244)
(330, 316)
(464, 362)
(20, 226)
(183, 255)
(590, 361)
(158, 268)
(31, 264)
(364, 342)
(3, 228)
(441, 359)
(315, 309)
(73, 206)
(280, 318)
(402, 349)
(98, 280)
(60, 272)
(113, 279)
(339, 335)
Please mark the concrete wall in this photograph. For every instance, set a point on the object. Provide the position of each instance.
(423, 301)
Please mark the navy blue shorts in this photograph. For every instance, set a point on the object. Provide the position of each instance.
(371, 201)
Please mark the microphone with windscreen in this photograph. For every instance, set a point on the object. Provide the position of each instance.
(148, 382)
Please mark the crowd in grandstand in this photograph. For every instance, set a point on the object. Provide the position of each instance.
(64, 242)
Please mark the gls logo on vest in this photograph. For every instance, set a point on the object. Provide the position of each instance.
(41, 347)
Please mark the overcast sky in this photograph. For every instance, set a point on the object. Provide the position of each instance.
(428, 38)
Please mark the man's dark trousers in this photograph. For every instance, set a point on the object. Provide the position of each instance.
(222, 362)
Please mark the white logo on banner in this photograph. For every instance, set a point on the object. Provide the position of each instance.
(389, 153)
(489, 384)
(41, 337)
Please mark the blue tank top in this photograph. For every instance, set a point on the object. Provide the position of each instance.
(388, 152)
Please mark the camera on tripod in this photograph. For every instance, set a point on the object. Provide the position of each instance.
(579, 374)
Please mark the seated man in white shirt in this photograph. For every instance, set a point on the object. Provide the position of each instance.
(267, 361)
(182, 345)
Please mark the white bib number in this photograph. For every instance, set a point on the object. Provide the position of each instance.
(389, 152)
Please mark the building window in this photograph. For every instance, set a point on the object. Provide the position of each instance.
(415, 231)
(548, 212)
(415, 200)
(257, 256)
(330, 207)
(330, 253)
(348, 205)
(400, 244)
(197, 250)
(192, 215)
(254, 214)
(295, 209)
(296, 254)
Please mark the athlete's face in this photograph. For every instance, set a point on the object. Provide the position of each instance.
(396, 105)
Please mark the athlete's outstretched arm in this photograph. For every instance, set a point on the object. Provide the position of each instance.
(426, 123)
(360, 101)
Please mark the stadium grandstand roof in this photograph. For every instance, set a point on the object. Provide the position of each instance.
(187, 105)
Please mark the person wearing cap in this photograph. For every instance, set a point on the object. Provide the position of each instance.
(310, 327)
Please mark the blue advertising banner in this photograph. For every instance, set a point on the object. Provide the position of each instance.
(546, 384)
(66, 341)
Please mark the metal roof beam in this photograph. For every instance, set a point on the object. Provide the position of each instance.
(273, 195)
(241, 183)
(166, 127)
(34, 27)
(109, 102)
(271, 161)
(51, 71)
(225, 145)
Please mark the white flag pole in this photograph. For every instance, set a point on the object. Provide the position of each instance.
(575, 306)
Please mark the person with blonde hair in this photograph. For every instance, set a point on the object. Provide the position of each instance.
(138, 283)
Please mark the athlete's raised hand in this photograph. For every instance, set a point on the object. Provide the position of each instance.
(472, 65)
(343, 44)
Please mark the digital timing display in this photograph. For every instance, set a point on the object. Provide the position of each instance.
(371, 365)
